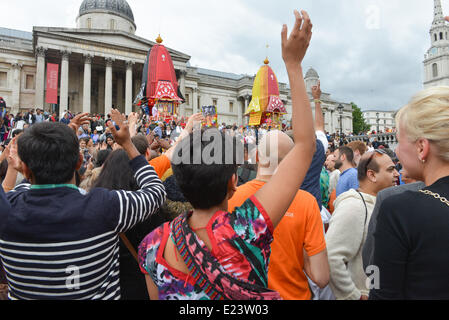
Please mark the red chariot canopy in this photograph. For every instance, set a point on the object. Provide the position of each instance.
(162, 83)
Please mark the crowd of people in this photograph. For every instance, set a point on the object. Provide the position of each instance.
(123, 207)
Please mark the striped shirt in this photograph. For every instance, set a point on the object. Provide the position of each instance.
(59, 244)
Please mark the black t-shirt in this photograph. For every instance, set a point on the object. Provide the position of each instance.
(411, 246)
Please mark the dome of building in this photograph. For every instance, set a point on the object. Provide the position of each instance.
(120, 7)
(312, 74)
(93, 14)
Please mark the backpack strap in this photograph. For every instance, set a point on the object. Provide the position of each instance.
(366, 218)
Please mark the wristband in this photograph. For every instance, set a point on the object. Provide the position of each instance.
(317, 100)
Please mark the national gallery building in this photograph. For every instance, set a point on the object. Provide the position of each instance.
(100, 67)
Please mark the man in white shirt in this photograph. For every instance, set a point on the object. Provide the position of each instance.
(348, 226)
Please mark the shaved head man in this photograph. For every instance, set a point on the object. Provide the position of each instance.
(302, 224)
(272, 149)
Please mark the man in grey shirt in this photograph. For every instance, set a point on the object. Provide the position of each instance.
(368, 248)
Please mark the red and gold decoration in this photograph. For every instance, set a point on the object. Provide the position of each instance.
(159, 95)
(266, 107)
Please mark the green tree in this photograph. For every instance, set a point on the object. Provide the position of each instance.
(358, 121)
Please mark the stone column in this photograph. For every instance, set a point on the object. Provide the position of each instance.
(100, 103)
(40, 77)
(247, 101)
(129, 88)
(195, 100)
(332, 122)
(87, 83)
(241, 103)
(120, 88)
(240, 114)
(108, 87)
(15, 106)
(64, 89)
(182, 86)
(138, 84)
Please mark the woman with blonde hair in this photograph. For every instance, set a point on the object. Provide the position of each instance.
(411, 257)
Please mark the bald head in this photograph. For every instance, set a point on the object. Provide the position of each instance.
(273, 148)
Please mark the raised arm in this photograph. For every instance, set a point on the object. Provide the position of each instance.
(9, 182)
(134, 207)
(14, 166)
(319, 119)
(132, 121)
(277, 195)
(193, 120)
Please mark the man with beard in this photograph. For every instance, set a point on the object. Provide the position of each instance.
(345, 163)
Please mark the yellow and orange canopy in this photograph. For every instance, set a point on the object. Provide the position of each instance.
(266, 92)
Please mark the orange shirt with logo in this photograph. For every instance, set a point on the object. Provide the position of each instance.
(300, 229)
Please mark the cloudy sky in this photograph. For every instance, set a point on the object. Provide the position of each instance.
(366, 51)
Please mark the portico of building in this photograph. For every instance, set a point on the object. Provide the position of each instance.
(99, 69)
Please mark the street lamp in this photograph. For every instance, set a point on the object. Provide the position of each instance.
(340, 111)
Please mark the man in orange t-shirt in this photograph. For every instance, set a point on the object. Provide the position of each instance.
(301, 230)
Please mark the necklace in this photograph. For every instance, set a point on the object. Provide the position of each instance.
(436, 196)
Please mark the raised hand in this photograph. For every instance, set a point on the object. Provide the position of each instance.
(122, 135)
(196, 118)
(132, 118)
(79, 120)
(316, 91)
(4, 154)
(13, 157)
(294, 47)
(117, 117)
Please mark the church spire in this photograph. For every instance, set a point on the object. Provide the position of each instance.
(438, 13)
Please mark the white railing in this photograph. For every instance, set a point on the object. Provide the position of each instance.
(388, 138)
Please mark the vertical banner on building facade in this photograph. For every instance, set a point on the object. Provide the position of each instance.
(52, 83)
